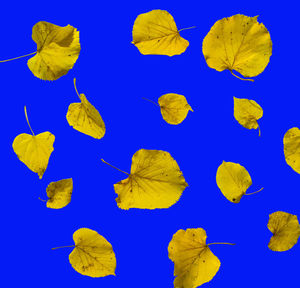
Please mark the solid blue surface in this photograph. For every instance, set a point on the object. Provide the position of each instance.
(115, 76)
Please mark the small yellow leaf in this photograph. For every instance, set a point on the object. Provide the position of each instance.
(156, 32)
(34, 150)
(247, 112)
(194, 263)
(85, 118)
(233, 180)
(286, 231)
(238, 43)
(58, 49)
(59, 193)
(174, 108)
(291, 147)
(93, 255)
(155, 181)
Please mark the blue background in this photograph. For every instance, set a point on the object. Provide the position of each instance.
(115, 76)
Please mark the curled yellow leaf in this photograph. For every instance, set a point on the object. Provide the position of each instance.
(155, 181)
(155, 32)
(194, 263)
(34, 150)
(93, 255)
(247, 112)
(291, 148)
(238, 43)
(85, 118)
(286, 231)
(233, 180)
(59, 193)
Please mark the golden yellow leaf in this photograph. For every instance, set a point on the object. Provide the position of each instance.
(34, 150)
(155, 181)
(59, 193)
(194, 263)
(247, 112)
(233, 180)
(155, 32)
(58, 49)
(238, 43)
(85, 118)
(93, 255)
(291, 148)
(286, 231)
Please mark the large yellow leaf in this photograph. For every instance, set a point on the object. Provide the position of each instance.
(155, 181)
(247, 112)
(59, 193)
(85, 118)
(233, 180)
(194, 263)
(238, 43)
(291, 148)
(58, 49)
(156, 32)
(93, 255)
(286, 231)
(34, 150)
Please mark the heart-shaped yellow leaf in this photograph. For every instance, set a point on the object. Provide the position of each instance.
(238, 43)
(34, 150)
(291, 148)
(85, 118)
(155, 181)
(155, 32)
(286, 231)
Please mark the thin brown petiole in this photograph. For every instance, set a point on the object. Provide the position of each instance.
(187, 28)
(26, 116)
(255, 192)
(259, 133)
(1, 61)
(62, 247)
(244, 79)
(220, 243)
(150, 101)
(76, 87)
(115, 167)
(42, 200)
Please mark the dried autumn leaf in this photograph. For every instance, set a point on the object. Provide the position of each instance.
(286, 231)
(155, 181)
(247, 112)
(85, 118)
(291, 148)
(238, 43)
(93, 255)
(173, 107)
(233, 180)
(194, 263)
(155, 32)
(34, 150)
(58, 49)
(59, 193)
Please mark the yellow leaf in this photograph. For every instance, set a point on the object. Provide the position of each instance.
(291, 147)
(85, 118)
(247, 112)
(58, 49)
(156, 32)
(286, 231)
(34, 150)
(93, 255)
(59, 193)
(233, 180)
(238, 43)
(155, 181)
(194, 263)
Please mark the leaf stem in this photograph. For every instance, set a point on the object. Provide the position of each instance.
(220, 243)
(62, 247)
(259, 133)
(115, 167)
(76, 88)
(187, 28)
(1, 61)
(255, 192)
(42, 200)
(244, 79)
(150, 101)
(26, 116)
